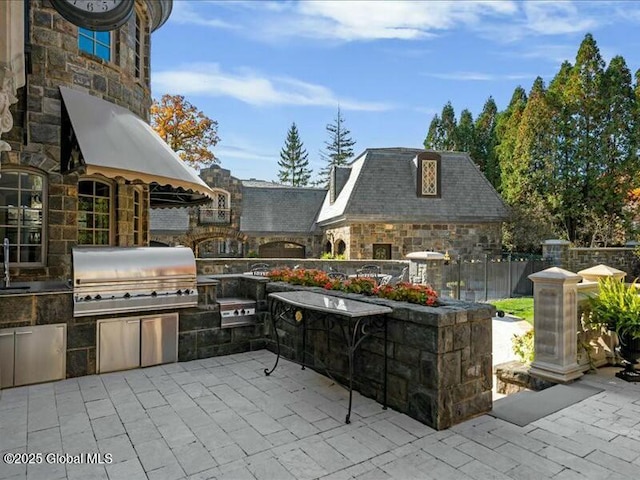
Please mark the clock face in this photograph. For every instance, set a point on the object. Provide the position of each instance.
(100, 15)
(97, 6)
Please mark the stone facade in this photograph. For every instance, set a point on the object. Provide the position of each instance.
(403, 238)
(54, 59)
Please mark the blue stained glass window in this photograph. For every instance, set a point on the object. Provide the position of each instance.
(95, 43)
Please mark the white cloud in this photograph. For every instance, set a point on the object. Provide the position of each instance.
(342, 20)
(182, 12)
(478, 76)
(553, 18)
(252, 88)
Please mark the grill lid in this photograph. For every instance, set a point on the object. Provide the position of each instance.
(130, 279)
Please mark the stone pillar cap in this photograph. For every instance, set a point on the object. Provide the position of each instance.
(602, 271)
(555, 274)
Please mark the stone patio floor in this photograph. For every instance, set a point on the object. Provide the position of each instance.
(221, 418)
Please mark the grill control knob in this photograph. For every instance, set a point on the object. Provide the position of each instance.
(235, 312)
(187, 291)
(88, 297)
(242, 312)
(127, 295)
(98, 297)
(179, 292)
(154, 294)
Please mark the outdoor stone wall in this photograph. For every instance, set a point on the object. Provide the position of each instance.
(35, 140)
(457, 239)
(200, 333)
(439, 359)
(575, 259)
(216, 266)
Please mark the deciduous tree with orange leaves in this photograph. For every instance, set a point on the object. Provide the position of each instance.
(189, 132)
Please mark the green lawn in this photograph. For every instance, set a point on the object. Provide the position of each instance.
(518, 307)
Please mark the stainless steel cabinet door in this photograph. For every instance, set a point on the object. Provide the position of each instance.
(40, 354)
(159, 339)
(118, 344)
(6, 357)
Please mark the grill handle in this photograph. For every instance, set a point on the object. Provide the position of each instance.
(155, 278)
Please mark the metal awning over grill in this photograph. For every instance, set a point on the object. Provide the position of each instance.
(104, 138)
(135, 279)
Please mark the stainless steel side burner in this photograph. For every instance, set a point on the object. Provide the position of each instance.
(132, 279)
(237, 311)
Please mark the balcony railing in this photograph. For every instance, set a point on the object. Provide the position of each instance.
(214, 215)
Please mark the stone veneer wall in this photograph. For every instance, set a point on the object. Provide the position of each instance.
(458, 239)
(575, 259)
(439, 365)
(55, 60)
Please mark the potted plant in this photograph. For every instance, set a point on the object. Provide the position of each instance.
(617, 307)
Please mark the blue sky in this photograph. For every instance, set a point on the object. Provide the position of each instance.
(257, 66)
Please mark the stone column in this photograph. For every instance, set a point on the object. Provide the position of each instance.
(555, 325)
(557, 251)
(12, 74)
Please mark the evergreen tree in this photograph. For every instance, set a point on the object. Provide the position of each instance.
(465, 132)
(442, 130)
(339, 148)
(484, 153)
(432, 141)
(584, 96)
(293, 163)
(507, 125)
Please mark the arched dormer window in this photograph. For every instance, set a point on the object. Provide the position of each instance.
(95, 212)
(218, 211)
(22, 216)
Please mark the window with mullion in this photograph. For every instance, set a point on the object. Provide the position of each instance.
(95, 43)
(22, 216)
(94, 213)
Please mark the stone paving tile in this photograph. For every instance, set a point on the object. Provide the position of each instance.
(178, 421)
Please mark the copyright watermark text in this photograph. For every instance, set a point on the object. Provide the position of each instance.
(57, 458)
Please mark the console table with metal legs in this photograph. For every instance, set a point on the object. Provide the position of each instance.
(311, 311)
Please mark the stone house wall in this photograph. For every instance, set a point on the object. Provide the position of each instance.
(404, 238)
(55, 60)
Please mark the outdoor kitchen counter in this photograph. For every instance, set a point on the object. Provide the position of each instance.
(35, 288)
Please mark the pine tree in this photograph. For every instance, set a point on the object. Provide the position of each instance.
(293, 163)
(339, 148)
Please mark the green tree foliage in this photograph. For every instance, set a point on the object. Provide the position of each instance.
(566, 157)
(465, 132)
(339, 148)
(442, 130)
(294, 162)
(507, 125)
(484, 153)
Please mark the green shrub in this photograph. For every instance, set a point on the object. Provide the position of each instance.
(523, 346)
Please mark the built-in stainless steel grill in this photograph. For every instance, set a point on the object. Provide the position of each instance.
(135, 279)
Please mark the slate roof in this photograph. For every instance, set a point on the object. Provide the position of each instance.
(280, 208)
(168, 220)
(382, 187)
